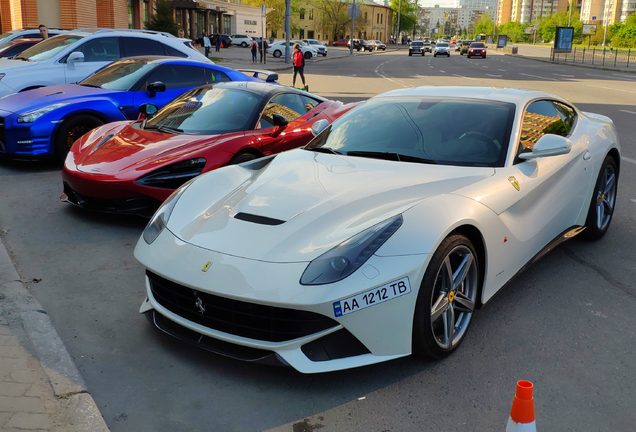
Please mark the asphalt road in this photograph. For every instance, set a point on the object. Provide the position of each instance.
(566, 324)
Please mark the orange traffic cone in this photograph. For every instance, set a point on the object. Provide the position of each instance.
(522, 412)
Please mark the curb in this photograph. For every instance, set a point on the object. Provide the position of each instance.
(583, 65)
(33, 328)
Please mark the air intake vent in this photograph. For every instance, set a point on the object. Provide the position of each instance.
(262, 220)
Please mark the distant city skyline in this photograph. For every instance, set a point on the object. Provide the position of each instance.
(432, 3)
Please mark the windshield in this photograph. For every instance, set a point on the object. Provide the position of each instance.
(48, 48)
(417, 43)
(416, 129)
(207, 111)
(121, 75)
(313, 42)
(477, 45)
(442, 45)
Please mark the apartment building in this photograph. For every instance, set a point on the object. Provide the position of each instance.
(606, 11)
(528, 11)
(459, 18)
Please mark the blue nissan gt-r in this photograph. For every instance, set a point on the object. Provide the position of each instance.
(46, 121)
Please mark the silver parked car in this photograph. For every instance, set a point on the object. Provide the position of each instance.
(378, 45)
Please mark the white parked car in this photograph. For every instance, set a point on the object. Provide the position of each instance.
(277, 49)
(442, 48)
(32, 33)
(72, 56)
(241, 39)
(322, 49)
(384, 235)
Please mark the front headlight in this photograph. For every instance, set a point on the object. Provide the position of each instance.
(341, 261)
(32, 116)
(160, 219)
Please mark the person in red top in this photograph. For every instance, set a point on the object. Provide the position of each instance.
(299, 65)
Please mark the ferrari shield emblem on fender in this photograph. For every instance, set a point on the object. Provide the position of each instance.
(208, 264)
(513, 181)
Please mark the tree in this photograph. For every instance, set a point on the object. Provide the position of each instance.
(162, 19)
(333, 18)
(514, 30)
(276, 18)
(485, 25)
(408, 14)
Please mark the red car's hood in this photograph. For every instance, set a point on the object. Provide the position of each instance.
(128, 148)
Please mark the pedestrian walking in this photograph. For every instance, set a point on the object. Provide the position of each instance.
(262, 49)
(217, 42)
(181, 34)
(253, 48)
(206, 44)
(299, 66)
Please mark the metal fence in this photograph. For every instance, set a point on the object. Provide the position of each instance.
(599, 57)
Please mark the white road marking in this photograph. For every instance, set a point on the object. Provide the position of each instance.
(567, 76)
(502, 70)
(442, 71)
(485, 67)
(626, 159)
(623, 77)
(496, 76)
(380, 74)
(634, 200)
(461, 76)
(630, 112)
(536, 76)
(609, 88)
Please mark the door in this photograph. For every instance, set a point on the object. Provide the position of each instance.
(294, 108)
(177, 78)
(97, 53)
(553, 187)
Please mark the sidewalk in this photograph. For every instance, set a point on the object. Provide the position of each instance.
(237, 57)
(40, 386)
(542, 53)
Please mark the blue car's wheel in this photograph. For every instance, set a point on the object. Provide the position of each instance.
(71, 130)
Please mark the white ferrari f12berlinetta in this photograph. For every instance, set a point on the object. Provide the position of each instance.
(381, 237)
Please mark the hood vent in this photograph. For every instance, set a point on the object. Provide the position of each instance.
(53, 94)
(261, 220)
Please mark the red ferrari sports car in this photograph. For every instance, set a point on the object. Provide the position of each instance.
(131, 167)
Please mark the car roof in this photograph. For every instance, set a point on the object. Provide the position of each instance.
(510, 95)
(265, 89)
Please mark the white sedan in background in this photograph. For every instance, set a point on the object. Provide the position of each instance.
(442, 48)
(384, 235)
(277, 49)
(313, 43)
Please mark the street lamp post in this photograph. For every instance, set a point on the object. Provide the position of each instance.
(605, 21)
(397, 36)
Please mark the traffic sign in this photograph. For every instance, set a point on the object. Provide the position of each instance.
(353, 11)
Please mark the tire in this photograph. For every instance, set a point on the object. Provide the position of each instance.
(467, 56)
(461, 53)
(242, 157)
(483, 57)
(308, 55)
(434, 55)
(410, 53)
(244, 44)
(447, 55)
(277, 53)
(603, 203)
(431, 337)
(71, 130)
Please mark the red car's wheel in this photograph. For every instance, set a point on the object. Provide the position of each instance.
(242, 157)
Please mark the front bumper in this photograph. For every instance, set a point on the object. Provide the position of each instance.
(374, 334)
(26, 141)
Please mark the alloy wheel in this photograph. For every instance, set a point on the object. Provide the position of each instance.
(453, 297)
(606, 198)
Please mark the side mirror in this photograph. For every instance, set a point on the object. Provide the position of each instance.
(548, 145)
(280, 122)
(74, 57)
(147, 111)
(155, 87)
(319, 126)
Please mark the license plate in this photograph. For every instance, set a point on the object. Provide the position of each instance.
(372, 297)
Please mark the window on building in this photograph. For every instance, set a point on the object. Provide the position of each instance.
(377, 19)
(227, 24)
(381, 18)
(310, 34)
(311, 14)
(145, 12)
(302, 14)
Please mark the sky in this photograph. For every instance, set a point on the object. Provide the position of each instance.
(432, 3)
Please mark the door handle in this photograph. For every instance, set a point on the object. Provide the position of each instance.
(587, 155)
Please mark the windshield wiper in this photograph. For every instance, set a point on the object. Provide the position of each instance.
(21, 58)
(323, 150)
(391, 156)
(170, 130)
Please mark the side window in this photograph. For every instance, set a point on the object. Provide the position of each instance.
(100, 50)
(540, 118)
(177, 76)
(174, 52)
(568, 116)
(288, 105)
(13, 51)
(310, 103)
(213, 76)
(142, 46)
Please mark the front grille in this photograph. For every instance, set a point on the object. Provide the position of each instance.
(144, 207)
(254, 321)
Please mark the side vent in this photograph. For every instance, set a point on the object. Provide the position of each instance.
(262, 220)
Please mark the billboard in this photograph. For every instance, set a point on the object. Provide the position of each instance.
(528, 30)
(563, 39)
(502, 40)
(589, 29)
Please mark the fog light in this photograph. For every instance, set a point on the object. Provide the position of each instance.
(25, 142)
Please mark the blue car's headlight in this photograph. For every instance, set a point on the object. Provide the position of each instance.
(339, 262)
(160, 219)
(32, 116)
